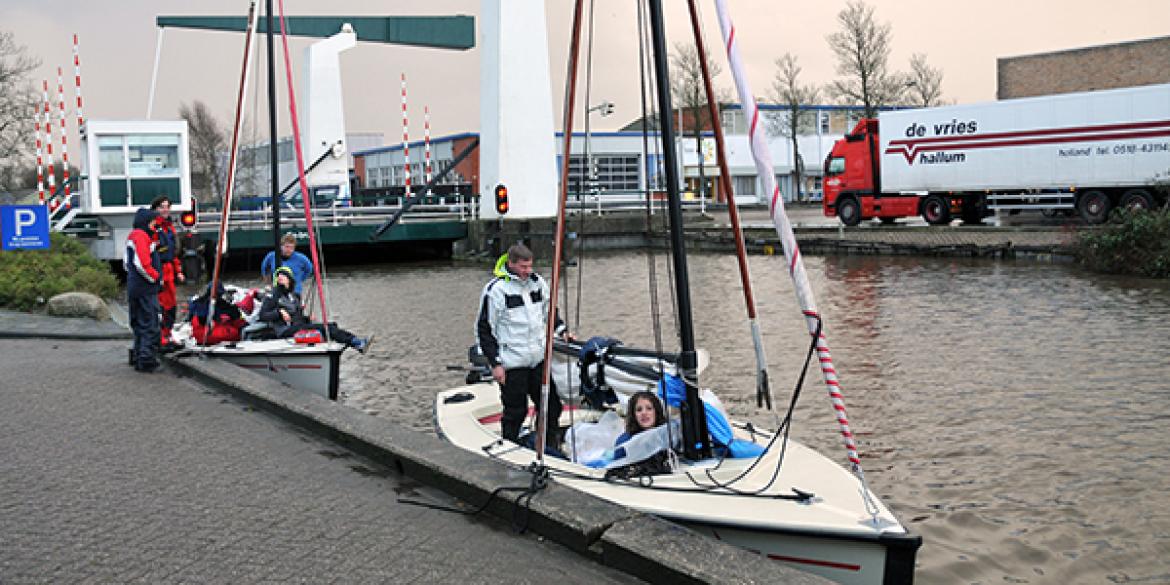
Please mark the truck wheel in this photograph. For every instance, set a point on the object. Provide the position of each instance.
(849, 210)
(1094, 207)
(936, 210)
(1137, 200)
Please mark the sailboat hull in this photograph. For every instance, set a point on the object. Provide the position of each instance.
(832, 534)
(313, 368)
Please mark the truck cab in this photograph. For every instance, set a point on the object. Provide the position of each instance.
(853, 180)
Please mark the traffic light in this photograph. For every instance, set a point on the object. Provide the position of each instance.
(606, 109)
(501, 199)
(188, 218)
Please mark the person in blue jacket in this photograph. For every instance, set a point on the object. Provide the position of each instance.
(301, 266)
(143, 282)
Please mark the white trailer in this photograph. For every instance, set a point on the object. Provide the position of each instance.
(1091, 151)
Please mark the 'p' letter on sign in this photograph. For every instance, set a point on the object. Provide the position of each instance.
(24, 227)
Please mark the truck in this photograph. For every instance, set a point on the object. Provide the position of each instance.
(1089, 152)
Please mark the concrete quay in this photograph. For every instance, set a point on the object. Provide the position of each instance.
(209, 473)
(815, 234)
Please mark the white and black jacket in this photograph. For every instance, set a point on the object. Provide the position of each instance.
(510, 326)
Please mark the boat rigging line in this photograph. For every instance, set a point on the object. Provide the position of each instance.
(300, 158)
(763, 393)
(225, 213)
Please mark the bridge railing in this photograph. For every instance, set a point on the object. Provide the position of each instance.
(371, 215)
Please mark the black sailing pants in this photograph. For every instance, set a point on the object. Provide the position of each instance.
(521, 384)
(144, 322)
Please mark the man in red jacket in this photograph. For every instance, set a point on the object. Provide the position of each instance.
(172, 267)
(143, 275)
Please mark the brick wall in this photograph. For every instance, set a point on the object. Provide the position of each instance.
(1127, 64)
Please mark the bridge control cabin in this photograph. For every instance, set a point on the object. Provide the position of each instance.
(126, 164)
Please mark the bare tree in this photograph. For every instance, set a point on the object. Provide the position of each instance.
(795, 98)
(862, 47)
(690, 96)
(924, 82)
(208, 141)
(17, 104)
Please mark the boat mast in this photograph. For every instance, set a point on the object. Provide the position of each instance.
(559, 240)
(696, 442)
(273, 162)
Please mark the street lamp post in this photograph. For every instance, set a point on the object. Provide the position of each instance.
(605, 108)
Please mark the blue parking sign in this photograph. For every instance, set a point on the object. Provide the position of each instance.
(24, 227)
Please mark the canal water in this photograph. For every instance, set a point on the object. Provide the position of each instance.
(1013, 414)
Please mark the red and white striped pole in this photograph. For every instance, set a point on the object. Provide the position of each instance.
(804, 293)
(47, 115)
(40, 167)
(64, 139)
(77, 82)
(427, 142)
(405, 142)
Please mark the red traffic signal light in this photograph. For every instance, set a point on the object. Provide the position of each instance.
(188, 218)
(501, 199)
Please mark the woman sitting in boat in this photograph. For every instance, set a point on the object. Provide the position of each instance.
(226, 318)
(643, 412)
(282, 310)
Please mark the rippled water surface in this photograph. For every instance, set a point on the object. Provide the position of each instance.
(1011, 414)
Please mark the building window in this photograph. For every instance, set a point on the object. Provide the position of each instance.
(613, 173)
(745, 185)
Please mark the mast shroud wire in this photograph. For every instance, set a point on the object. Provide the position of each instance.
(307, 198)
(225, 213)
(796, 270)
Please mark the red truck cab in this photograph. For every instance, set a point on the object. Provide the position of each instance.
(853, 180)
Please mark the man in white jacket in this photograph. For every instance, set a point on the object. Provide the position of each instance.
(510, 329)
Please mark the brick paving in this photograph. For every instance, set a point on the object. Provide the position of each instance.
(111, 476)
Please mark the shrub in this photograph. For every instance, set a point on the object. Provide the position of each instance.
(1138, 242)
(28, 278)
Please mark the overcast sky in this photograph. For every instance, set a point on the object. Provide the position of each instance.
(118, 44)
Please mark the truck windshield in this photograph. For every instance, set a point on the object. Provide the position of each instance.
(836, 166)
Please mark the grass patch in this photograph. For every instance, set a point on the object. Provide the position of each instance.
(1138, 242)
(29, 278)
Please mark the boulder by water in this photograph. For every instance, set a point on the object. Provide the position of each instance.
(78, 304)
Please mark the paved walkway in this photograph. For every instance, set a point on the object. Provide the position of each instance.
(112, 476)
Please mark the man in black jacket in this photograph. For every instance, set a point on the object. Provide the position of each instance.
(282, 310)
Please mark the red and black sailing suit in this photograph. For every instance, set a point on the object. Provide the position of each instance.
(172, 270)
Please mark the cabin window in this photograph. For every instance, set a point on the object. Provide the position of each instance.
(136, 168)
(113, 159)
(836, 166)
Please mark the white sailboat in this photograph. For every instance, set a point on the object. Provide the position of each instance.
(312, 367)
(787, 502)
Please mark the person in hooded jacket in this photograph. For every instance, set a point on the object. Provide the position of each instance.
(172, 267)
(283, 311)
(143, 275)
(227, 317)
(510, 329)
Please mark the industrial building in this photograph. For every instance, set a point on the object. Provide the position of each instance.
(621, 171)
